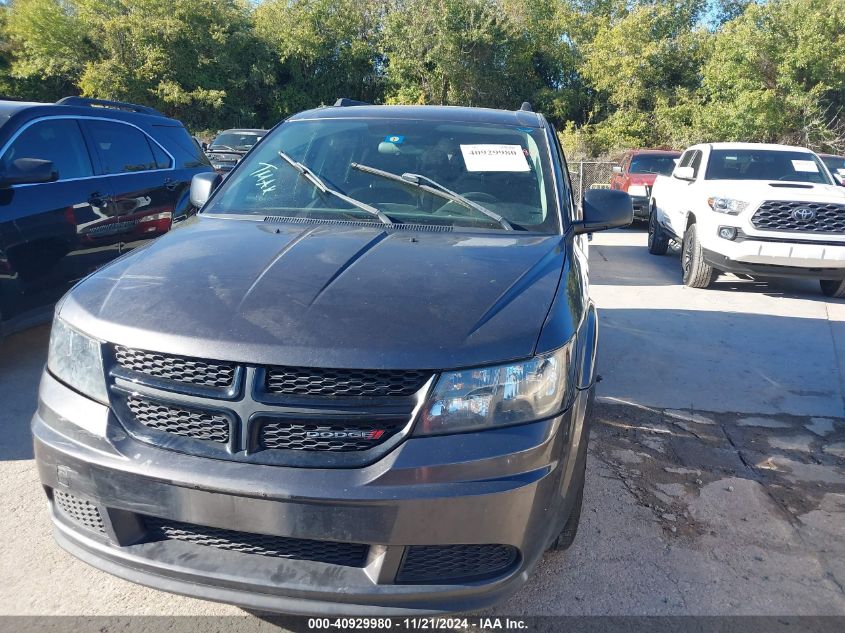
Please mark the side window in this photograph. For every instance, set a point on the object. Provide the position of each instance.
(695, 163)
(122, 148)
(56, 140)
(162, 160)
(686, 158)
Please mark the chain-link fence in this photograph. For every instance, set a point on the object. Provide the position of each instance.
(590, 175)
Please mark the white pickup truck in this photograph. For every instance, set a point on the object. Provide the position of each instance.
(754, 209)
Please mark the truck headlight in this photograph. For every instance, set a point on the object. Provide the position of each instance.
(638, 190)
(77, 361)
(727, 205)
(502, 395)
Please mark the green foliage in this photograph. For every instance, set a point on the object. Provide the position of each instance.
(609, 74)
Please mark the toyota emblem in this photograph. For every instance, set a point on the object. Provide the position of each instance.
(804, 214)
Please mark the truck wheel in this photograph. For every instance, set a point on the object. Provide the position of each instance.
(564, 540)
(658, 241)
(697, 272)
(833, 288)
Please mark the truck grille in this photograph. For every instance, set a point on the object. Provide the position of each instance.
(343, 383)
(822, 217)
(443, 564)
(198, 425)
(192, 371)
(306, 436)
(333, 553)
(79, 510)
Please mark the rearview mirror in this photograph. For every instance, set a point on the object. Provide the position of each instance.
(202, 186)
(605, 209)
(684, 173)
(28, 171)
(617, 169)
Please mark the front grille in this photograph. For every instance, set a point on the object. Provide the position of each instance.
(79, 510)
(340, 437)
(192, 371)
(343, 383)
(333, 553)
(777, 215)
(198, 425)
(443, 564)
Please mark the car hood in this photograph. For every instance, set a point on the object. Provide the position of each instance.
(756, 191)
(326, 295)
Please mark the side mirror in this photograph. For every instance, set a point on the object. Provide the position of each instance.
(684, 173)
(617, 169)
(605, 209)
(204, 146)
(202, 186)
(28, 171)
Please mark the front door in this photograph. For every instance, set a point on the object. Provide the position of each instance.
(43, 250)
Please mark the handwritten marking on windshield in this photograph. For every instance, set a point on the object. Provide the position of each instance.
(265, 177)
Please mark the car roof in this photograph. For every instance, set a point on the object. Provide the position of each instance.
(240, 130)
(31, 109)
(10, 107)
(426, 113)
(657, 152)
(766, 146)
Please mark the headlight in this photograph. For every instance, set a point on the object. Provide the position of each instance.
(77, 361)
(638, 190)
(489, 397)
(727, 205)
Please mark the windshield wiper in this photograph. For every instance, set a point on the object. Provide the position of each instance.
(315, 180)
(432, 186)
(220, 147)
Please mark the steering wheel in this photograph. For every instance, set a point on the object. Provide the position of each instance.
(480, 196)
(382, 194)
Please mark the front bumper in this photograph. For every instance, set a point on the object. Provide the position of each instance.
(511, 487)
(641, 207)
(781, 258)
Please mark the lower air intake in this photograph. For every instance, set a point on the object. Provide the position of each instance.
(79, 510)
(449, 564)
(333, 553)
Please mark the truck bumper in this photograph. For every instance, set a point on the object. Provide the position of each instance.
(777, 259)
(440, 524)
(641, 207)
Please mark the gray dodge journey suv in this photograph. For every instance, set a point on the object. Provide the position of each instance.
(359, 381)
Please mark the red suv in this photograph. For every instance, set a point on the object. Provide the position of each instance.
(636, 173)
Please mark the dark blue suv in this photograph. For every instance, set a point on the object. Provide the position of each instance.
(82, 181)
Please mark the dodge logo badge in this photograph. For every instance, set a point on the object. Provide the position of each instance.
(804, 214)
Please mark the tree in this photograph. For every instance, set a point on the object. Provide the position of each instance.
(777, 73)
(324, 49)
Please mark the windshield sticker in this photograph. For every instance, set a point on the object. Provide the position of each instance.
(805, 165)
(396, 140)
(265, 177)
(494, 158)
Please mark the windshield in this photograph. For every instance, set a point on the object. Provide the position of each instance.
(653, 164)
(501, 168)
(236, 140)
(761, 164)
(834, 163)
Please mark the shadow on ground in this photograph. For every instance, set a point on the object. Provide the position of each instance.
(22, 357)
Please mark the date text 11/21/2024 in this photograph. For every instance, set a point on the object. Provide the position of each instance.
(417, 624)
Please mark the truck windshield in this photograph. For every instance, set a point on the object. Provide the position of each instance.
(761, 164)
(236, 140)
(503, 169)
(653, 164)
